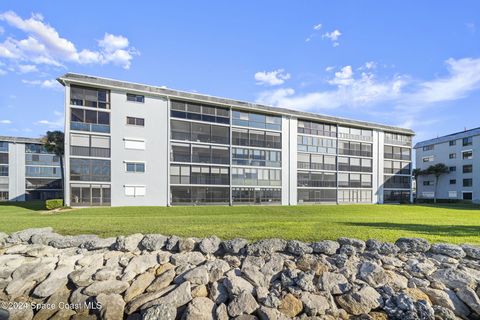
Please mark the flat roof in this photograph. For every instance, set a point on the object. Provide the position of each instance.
(448, 137)
(112, 84)
(21, 139)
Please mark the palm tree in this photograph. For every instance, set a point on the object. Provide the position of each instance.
(416, 173)
(54, 142)
(437, 170)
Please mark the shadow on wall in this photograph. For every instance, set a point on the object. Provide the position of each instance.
(451, 231)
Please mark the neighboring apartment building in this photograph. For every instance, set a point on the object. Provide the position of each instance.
(460, 153)
(131, 144)
(28, 171)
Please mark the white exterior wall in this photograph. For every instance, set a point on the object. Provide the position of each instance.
(378, 140)
(293, 131)
(16, 171)
(66, 162)
(155, 156)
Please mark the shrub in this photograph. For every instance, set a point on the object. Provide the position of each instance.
(53, 204)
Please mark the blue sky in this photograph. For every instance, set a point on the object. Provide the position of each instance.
(408, 63)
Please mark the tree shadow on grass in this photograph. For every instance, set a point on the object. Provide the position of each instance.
(30, 205)
(451, 231)
(452, 206)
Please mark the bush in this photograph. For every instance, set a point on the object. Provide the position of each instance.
(53, 204)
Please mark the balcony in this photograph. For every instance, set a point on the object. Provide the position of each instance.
(90, 152)
(90, 127)
(396, 156)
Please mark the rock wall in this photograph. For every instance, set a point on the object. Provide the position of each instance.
(44, 275)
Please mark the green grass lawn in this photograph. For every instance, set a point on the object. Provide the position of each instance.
(441, 223)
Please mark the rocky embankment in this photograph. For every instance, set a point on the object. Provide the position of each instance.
(44, 275)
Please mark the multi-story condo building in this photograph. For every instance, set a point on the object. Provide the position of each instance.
(133, 144)
(460, 153)
(28, 171)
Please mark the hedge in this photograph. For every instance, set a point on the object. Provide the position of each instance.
(54, 204)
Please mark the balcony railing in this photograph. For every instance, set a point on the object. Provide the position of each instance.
(396, 156)
(398, 142)
(90, 127)
(89, 152)
(354, 137)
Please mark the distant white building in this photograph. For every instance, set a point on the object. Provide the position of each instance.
(28, 171)
(460, 152)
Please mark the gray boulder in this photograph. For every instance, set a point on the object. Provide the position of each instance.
(71, 241)
(163, 311)
(335, 283)
(244, 303)
(200, 309)
(210, 245)
(412, 245)
(153, 242)
(447, 249)
(471, 251)
(357, 243)
(266, 246)
(298, 248)
(327, 247)
(234, 246)
(361, 301)
(128, 243)
(25, 235)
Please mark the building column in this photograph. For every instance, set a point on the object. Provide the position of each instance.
(16, 171)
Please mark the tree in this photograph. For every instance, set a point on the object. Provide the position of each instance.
(437, 170)
(416, 173)
(54, 142)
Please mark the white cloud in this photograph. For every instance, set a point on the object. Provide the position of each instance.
(49, 84)
(44, 45)
(26, 68)
(2, 30)
(2, 72)
(271, 78)
(329, 68)
(463, 77)
(57, 123)
(333, 36)
(398, 98)
(317, 27)
(5, 121)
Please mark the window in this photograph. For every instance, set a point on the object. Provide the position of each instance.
(452, 169)
(255, 120)
(186, 174)
(253, 157)
(467, 154)
(453, 181)
(193, 111)
(397, 182)
(89, 169)
(428, 148)
(317, 179)
(182, 130)
(3, 146)
(256, 177)
(316, 195)
(256, 195)
(3, 158)
(135, 167)
(452, 142)
(256, 138)
(135, 191)
(4, 195)
(428, 159)
(396, 196)
(467, 182)
(134, 144)
(318, 129)
(135, 98)
(467, 141)
(468, 168)
(3, 171)
(316, 144)
(355, 148)
(136, 121)
(355, 133)
(89, 120)
(401, 153)
(452, 155)
(89, 145)
(182, 195)
(355, 196)
(467, 196)
(89, 97)
(427, 183)
(88, 195)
